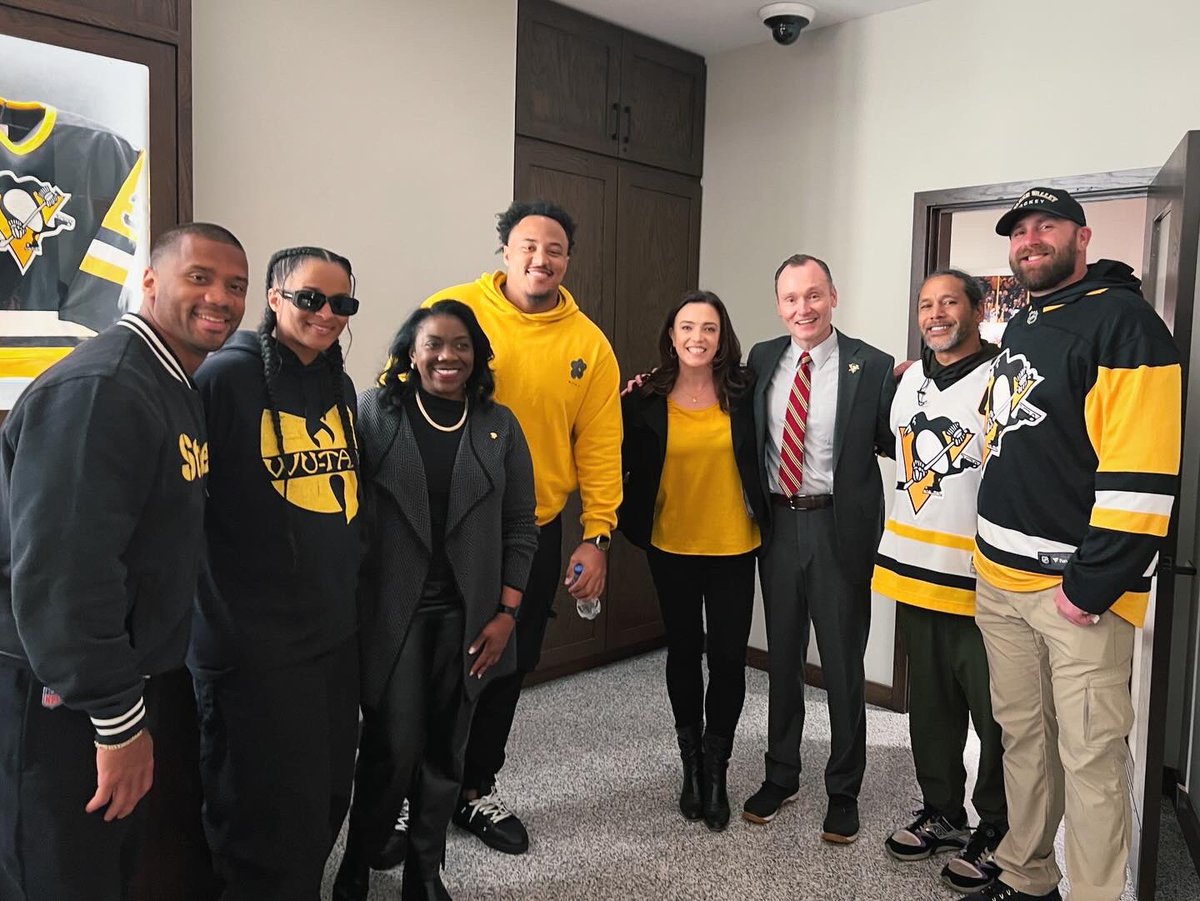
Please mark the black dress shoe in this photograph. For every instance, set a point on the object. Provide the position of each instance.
(418, 888)
(690, 753)
(841, 820)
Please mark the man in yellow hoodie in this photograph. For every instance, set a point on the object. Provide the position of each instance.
(557, 372)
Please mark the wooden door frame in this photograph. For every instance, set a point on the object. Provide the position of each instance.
(932, 213)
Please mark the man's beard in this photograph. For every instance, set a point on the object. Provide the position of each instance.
(1061, 267)
(948, 341)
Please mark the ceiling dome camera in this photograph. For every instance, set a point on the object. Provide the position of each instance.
(786, 20)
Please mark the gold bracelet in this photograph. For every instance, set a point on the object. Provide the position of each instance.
(119, 745)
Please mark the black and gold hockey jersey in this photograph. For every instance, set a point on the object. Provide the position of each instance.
(1081, 445)
(67, 230)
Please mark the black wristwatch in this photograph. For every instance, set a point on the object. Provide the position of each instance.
(514, 612)
(600, 541)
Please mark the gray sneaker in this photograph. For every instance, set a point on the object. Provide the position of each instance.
(973, 869)
(930, 833)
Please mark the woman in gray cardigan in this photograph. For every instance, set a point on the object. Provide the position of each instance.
(449, 486)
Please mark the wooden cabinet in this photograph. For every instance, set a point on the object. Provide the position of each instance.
(588, 84)
(637, 251)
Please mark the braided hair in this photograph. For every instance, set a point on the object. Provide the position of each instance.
(282, 264)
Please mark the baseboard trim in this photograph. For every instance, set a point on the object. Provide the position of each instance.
(877, 695)
(1189, 824)
(591, 661)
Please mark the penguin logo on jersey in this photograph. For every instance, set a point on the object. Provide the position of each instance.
(315, 471)
(1005, 405)
(31, 210)
(932, 450)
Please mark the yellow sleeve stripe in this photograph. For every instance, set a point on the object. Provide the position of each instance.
(29, 362)
(928, 536)
(923, 594)
(93, 265)
(1133, 419)
(1126, 521)
(120, 215)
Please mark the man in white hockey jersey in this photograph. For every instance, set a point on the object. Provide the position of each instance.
(924, 563)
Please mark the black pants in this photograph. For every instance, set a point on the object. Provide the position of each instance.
(722, 588)
(277, 763)
(413, 744)
(948, 683)
(50, 848)
(497, 704)
(803, 580)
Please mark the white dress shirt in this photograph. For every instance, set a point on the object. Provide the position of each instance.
(822, 415)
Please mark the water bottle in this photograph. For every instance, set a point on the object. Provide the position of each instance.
(586, 608)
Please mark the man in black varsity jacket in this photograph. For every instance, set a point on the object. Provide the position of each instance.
(102, 473)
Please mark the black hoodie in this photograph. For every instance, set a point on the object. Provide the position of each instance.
(1082, 445)
(283, 529)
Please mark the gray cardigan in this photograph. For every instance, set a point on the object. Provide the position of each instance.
(491, 533)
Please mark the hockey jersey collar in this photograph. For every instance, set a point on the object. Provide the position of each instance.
(37, 135)
(1101, 275)
(162, 352)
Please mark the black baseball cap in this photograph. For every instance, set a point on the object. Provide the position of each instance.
(1051, 201)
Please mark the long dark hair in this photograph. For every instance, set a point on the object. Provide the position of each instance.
(399, 380)
(730, 377)
(282, 264)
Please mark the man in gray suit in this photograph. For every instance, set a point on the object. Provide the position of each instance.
(821, 407)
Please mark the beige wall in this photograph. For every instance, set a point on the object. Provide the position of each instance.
(379, 128)
(820, 147)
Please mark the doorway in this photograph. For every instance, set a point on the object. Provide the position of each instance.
(1149, 218)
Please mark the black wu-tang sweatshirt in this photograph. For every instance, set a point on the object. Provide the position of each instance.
(282, 524)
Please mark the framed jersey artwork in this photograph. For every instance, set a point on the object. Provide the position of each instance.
(74, 201)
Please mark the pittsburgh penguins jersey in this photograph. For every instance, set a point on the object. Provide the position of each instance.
(924, 557)
(283, 524)
(68, 232)
(1081, 445)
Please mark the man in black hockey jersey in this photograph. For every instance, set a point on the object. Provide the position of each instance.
(1081, 457)
(102, 472)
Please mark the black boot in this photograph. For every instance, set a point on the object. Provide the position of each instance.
(716, 796)
(689, 752)
(354, 875)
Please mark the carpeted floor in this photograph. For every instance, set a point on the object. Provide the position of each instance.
(594, 772)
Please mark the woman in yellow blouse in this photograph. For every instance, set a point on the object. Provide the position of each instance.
(691, 498)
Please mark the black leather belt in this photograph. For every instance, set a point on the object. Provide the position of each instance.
(803, 501)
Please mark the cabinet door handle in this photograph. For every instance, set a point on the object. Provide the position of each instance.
(628, 123)
(616, 121)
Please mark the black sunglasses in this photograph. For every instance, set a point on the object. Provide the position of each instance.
(310, 301)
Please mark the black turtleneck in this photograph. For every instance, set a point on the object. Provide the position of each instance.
(945, 376)
(438, 451)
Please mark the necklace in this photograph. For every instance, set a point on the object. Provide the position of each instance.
(443, 428)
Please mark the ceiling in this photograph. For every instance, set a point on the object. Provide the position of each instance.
(714, 26)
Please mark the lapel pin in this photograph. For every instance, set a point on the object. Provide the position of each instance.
(854, 367)
(494, 435)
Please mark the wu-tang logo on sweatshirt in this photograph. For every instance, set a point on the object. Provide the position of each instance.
(931, 450)
(316, 470)
(1005, 403)
(31, 210)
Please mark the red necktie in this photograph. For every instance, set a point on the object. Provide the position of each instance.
(791, 454)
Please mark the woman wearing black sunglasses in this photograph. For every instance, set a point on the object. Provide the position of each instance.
(273, 651)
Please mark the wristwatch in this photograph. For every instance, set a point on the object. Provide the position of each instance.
(600, 541)
(514, 612)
